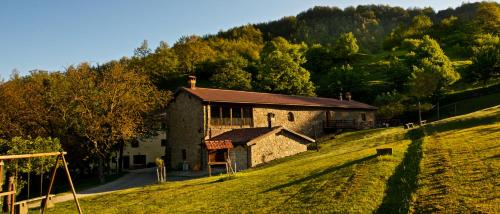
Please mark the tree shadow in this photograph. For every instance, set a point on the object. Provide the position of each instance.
(329, 170)
(403, 182)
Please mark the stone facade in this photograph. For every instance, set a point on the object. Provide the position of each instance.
(275, 146)
(189, 123)
(306, 120)
(185, 125)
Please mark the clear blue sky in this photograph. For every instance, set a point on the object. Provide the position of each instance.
(53, 34)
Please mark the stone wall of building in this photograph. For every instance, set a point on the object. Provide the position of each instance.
(185, 125)
(149, 146)
(276, 146)
(306, 120)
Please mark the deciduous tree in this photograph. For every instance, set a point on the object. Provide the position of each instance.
(281, 70)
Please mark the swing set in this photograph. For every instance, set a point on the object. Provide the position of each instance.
(9, 196)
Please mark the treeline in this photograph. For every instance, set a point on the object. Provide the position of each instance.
(92, 111)
(388, 56)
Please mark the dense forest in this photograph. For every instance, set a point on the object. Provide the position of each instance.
(388, 56)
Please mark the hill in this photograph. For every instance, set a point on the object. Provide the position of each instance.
(451, 165)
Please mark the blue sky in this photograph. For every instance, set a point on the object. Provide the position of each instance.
(53, 34)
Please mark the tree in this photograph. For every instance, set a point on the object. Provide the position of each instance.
(111, 105)
(428, 57)
(281, 70)
(485, 62)
(143, 50)
(192, 50)
(346, 45)
(20, 145)
(390, 104)
(343, 79)
(230, 74)
(432, 71)
(162, 66)
(487, 18)
(398, 74)
(319, 59)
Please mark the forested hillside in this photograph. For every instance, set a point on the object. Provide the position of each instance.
(387, 56)
(390, 57)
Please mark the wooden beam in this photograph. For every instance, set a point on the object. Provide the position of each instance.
(6, 193)
(71, 184)
(52, 178)
(10, 157)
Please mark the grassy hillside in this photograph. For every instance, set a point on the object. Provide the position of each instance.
(452, 165)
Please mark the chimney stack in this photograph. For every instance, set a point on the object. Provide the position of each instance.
(192, 82)
(348, 96)
(340, 97)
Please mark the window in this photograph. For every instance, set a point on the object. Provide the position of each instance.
(291, 117)
(363, 116)
(184, 155)
(139, 159)
(163, 142)
(230, 115)
(215, 111)
(226, 112)
(134, 143)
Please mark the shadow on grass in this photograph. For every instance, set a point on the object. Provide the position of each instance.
(403, 182)
(321, 173)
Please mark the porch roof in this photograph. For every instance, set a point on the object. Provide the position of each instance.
(218, 144)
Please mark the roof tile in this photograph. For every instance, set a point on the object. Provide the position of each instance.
(233, 96)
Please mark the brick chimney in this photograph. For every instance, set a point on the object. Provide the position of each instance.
(348, 96)
(192, 82)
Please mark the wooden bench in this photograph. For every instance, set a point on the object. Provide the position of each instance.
(22, 207)
(423, 122)
(408, 125)
(384, 151)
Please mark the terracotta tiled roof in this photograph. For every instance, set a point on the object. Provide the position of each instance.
(232, 96)
(246, 135)
(218, 144)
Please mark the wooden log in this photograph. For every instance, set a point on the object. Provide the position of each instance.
(11, 157)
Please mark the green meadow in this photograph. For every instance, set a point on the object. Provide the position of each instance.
(449, 166)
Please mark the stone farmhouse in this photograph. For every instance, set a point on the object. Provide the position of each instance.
(210, 126)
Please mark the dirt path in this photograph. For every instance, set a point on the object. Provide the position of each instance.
(134, 178)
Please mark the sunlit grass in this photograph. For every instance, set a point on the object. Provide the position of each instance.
(448, 166)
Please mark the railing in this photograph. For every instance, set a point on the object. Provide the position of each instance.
(231, 121)
(347, 124)
(341, 124)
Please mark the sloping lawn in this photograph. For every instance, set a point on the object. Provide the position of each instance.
(460, 171)
(450, 166)
(343, 176)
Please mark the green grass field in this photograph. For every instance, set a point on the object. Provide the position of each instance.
(449, 166)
